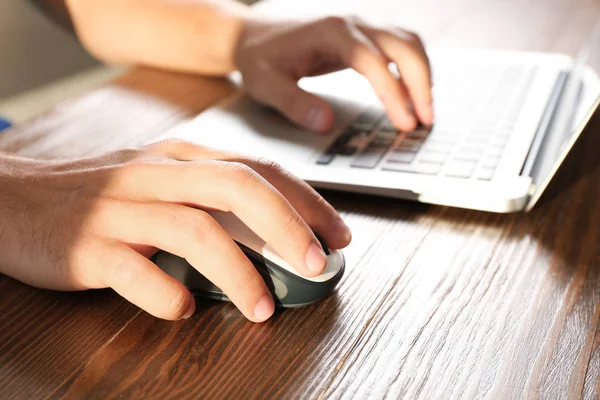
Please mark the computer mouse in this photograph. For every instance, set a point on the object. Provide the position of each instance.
(289, 288)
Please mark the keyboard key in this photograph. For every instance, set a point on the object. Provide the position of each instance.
(366, 120)
(494, 152)
(325, 158)
(445, 135)
(370, 157)
(425, 169)
(418, 135)
(471, 147)
(386, 135)
(344, 150)
(345, 138)
(460, 169)
(504, 132)
(478, 140)
(381, 142)
(384, 139)
(401, 157)
(485, 174)
(499, 141)
(387, 125)
(428, 168)
(352, 132)
(468, 155)
(433, 158)
(439, 146)
(398, 167)
(490, 161)
(482, 130)
(409, 145)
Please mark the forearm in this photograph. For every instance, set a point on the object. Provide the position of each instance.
(187, 35)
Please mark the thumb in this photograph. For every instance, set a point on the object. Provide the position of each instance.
(300, 107)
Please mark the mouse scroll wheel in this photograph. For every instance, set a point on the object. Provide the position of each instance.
(323, 244)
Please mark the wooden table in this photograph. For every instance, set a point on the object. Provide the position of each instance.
(437, 302)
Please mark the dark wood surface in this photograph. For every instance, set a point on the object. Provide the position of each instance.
(437, 302)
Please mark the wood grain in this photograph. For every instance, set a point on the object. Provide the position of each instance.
(437, 302)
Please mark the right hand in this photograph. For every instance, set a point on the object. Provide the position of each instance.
(272, 56)
(93, 223)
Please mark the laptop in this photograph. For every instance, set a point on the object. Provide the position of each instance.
(505, 121)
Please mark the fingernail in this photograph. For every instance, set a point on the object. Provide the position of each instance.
(317, 119)
(264, 308)
(410, 123)
(191, 308)
(315, 258)
(427, 114)
(343, 228)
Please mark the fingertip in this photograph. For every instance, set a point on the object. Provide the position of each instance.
(316, 260)
(347, 237)
(408, 123)
(426, 114)
(191, 308)
(342, 235)
(264, 309)
(402, 116)
(319, 119)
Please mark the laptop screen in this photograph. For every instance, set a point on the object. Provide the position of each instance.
(578, 98)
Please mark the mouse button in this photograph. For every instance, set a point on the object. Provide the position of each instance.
(280, 289)
(181, 270)
(323, 244)
(270, 254)
(335, 262)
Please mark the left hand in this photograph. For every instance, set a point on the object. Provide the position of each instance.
(272, 57)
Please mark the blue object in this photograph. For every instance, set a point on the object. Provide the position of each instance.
(4, 124)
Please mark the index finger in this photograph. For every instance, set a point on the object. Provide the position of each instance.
(406, 50)
(311, 206)
(357, 51)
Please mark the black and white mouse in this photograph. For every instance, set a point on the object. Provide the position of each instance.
(289, 288)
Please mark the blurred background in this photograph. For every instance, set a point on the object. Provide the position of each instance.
(36, 58)
(41, 63)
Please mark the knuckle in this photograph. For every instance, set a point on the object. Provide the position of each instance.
(412, 40)
(169, 144)
(356, 21)
(292, 222)
(241, 174)
(290, 106)
(136, 168)
(368, 54)
(182, 145)
(335, 22)
(411, 36)
(125, 271)
(194, 225)
(248, 281)
(127, 155)
(269, 165)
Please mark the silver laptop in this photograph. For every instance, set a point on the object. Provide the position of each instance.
(504, 123)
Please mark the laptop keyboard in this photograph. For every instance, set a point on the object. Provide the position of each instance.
(475, 118)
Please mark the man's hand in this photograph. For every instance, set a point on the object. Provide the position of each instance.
(93, 223)
(274, 56)
(215, 37)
